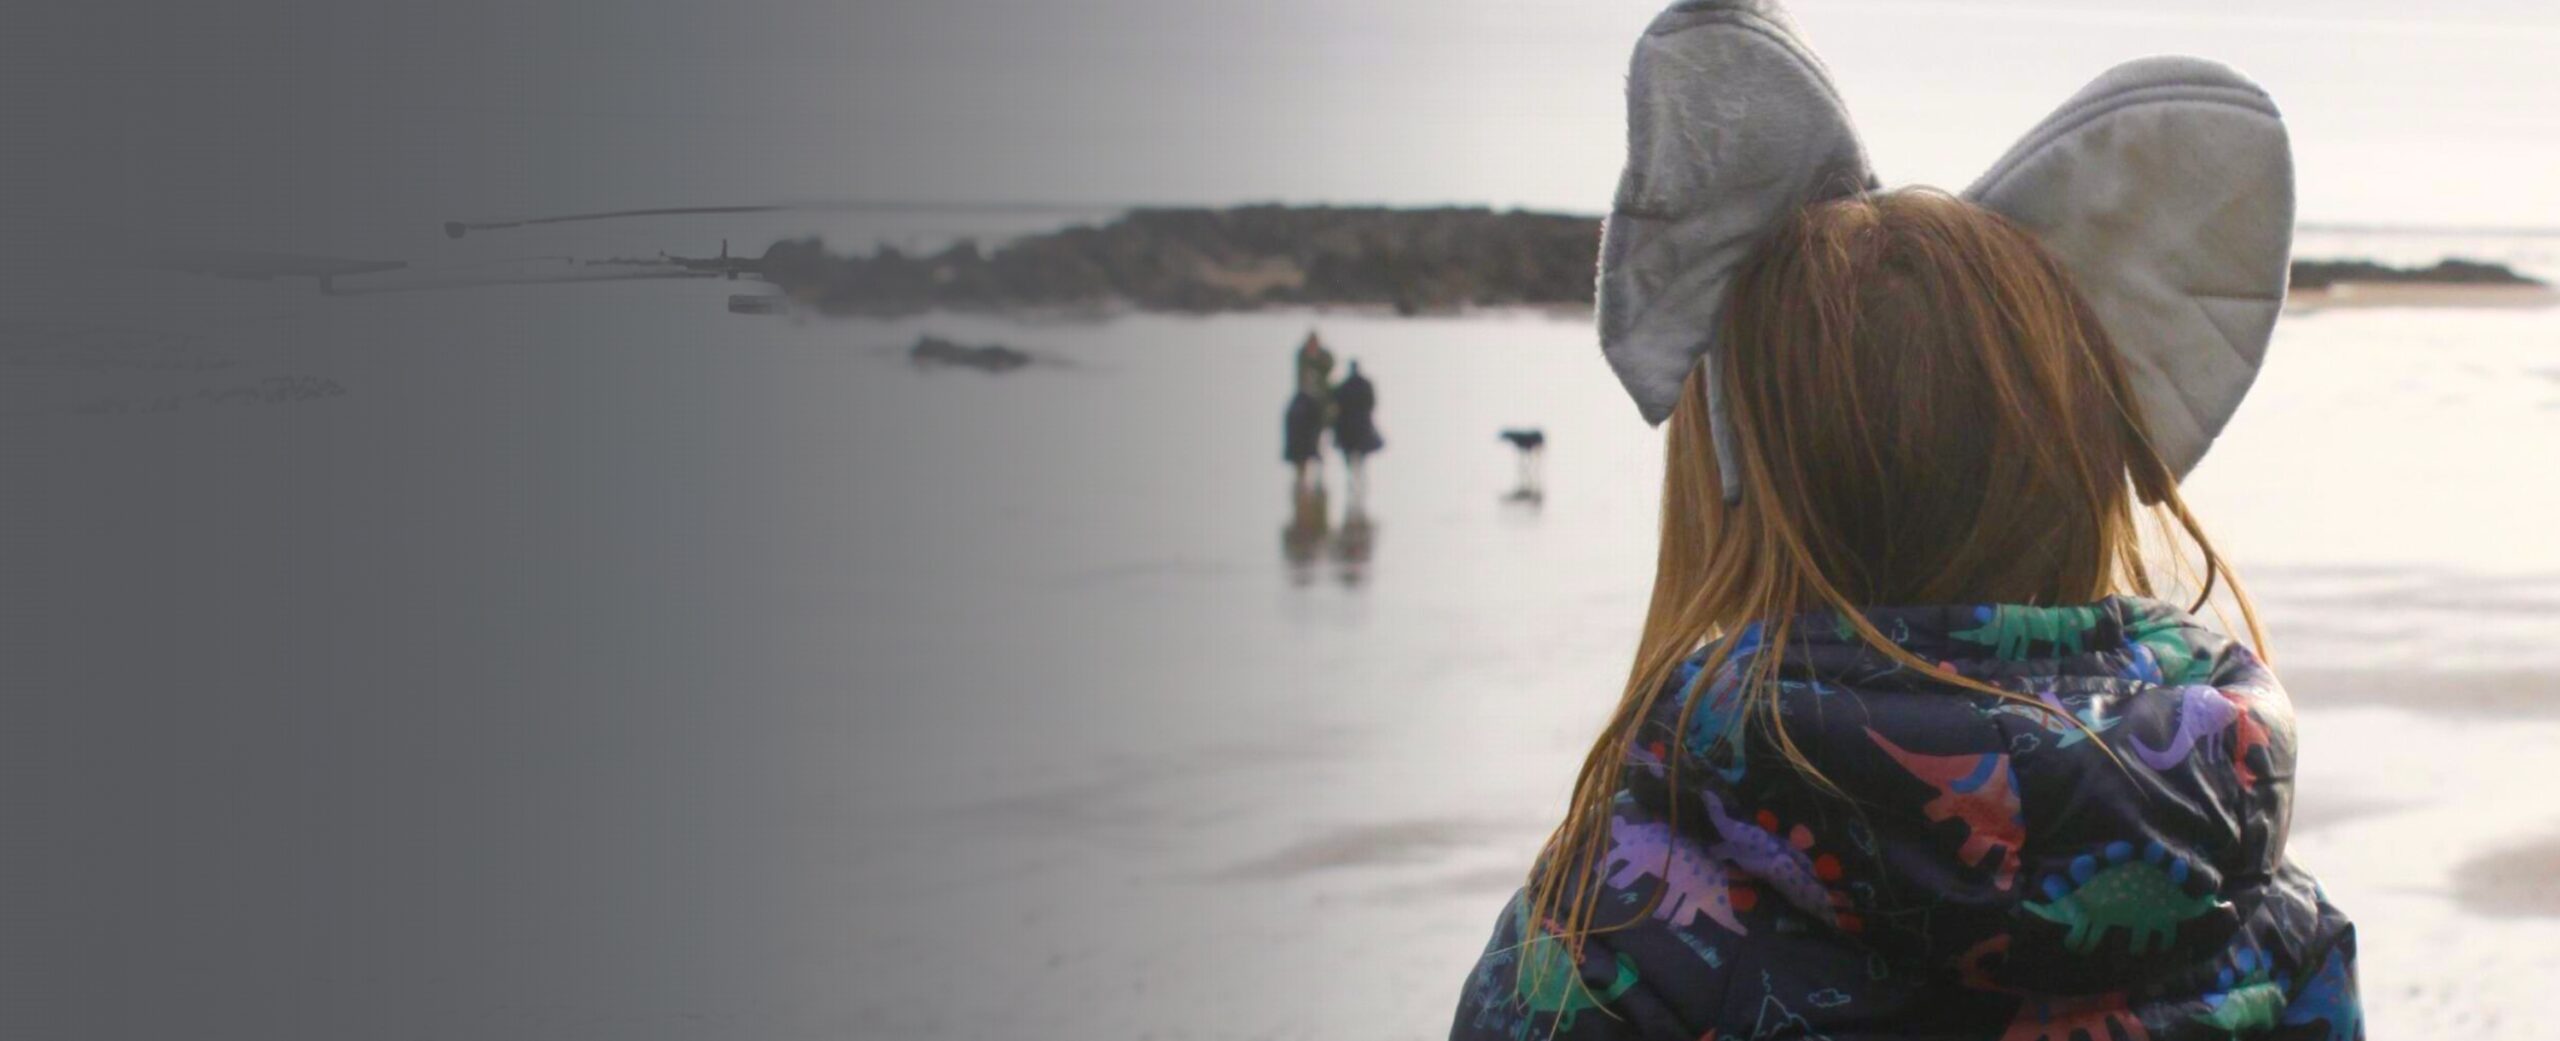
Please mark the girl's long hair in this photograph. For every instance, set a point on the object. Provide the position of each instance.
(1925, 412)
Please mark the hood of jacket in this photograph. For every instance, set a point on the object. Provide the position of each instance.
(2102, 853)
(2116, 826)
(2108, 829)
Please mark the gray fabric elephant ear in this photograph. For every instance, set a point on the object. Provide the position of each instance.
(2166, 188)
(1732, 124)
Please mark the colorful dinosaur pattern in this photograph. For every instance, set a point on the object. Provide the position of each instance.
(2244, 1001)
(1693, 884)
(2329, 997)
(2010, 630)
(1549, 981)
(2252, 735)
(2146, 898)
(1779, 862)
(1715, 732)
(2091, 721)
(1776, 1019)
(2146, 757)
(1979, 790)
(2164, 636)
(2047, 1018)
(2203, 714)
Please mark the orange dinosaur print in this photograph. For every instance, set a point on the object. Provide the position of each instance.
(1976, 789)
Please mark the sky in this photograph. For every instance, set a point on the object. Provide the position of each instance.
(2438, 114)
(385, 115)
(2446, 113)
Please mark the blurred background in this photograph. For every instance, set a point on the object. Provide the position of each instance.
(766, 520)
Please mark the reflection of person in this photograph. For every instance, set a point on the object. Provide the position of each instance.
(1355, 542)
(1908, 743)
(1302, 540)
(1355, 425)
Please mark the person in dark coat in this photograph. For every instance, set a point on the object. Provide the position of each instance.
(1355, 426)
(1302, 437)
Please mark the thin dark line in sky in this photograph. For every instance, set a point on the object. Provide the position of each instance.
(456, 228)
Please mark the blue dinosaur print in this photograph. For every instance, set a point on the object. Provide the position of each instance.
(1715, 734)
(2088, 717)
(2329, 997)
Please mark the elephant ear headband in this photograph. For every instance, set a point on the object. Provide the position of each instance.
(2165, 187)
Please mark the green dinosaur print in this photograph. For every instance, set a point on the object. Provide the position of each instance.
(2244, 1001)
(2138, 896)
(1548, 980)
(2179, 664)
(2009, 629)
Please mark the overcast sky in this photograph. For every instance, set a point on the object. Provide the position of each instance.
(403, 114)
(2402, 113)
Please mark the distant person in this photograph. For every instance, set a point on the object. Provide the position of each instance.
(1302, 438)
(1921, 737)
(1315, 369)
(1355, 424)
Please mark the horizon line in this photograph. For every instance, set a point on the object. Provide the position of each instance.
(1068, 208)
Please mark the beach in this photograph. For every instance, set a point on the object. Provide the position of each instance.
(602, 615)
(1373, 765)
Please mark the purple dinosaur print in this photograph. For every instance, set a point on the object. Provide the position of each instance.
(2203, 714)
(1779, 862)
(1693, 884)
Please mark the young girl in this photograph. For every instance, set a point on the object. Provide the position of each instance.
(1912, 747)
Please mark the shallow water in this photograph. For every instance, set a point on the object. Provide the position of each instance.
(935, 703)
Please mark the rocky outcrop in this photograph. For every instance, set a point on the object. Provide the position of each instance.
(1203, 260)
(933, 350)
(2323, 274)
(1222, 260)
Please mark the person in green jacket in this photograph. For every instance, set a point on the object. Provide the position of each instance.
(1315, 371)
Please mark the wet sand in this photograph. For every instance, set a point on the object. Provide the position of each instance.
(2389, 294)
(2524, 880)
(1044, 711)
(2485, 695)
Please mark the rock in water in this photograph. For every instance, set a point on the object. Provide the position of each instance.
(994, 357)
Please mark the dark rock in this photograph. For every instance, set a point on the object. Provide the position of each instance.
(2321, 274)
(1205, 260)
(934, 350)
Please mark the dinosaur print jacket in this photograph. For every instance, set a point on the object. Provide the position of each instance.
(1994, 870)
